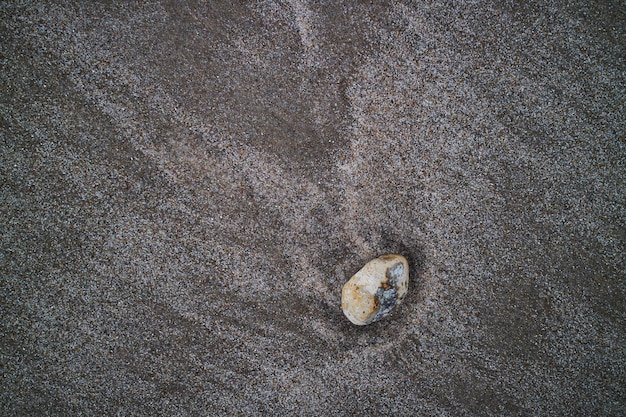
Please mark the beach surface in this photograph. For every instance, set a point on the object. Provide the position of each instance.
(186, 186)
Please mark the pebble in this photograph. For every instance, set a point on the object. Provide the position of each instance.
(375, 290)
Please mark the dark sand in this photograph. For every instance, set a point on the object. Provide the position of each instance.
(186, 187)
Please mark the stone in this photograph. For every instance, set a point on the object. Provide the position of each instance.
(375, 290)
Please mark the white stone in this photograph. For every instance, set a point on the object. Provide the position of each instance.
(375, 290)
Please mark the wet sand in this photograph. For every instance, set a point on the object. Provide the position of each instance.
(185, 188)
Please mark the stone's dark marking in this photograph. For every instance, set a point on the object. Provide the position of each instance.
(394, 273)
(387, 293)
(387, 300)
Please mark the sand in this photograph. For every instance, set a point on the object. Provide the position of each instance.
(186, 186)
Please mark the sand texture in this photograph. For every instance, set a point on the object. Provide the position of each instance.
(186, 186)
